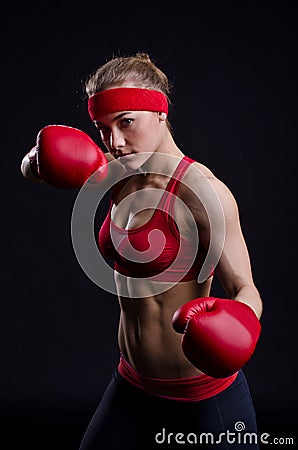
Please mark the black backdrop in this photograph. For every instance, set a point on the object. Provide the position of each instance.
(234, 71)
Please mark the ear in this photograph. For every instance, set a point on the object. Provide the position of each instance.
(162, 115)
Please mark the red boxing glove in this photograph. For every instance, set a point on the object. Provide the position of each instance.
(67, 157)
(219, 335)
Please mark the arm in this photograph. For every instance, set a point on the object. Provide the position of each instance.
(219, 335)
(233, 268)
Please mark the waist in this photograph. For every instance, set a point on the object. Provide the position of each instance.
(182, 389)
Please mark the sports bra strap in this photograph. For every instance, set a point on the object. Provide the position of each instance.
(167, 201)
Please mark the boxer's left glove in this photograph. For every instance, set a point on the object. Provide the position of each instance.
(219, 335)
(65, 157)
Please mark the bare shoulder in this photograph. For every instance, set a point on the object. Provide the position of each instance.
(201, 169)
(200, 186)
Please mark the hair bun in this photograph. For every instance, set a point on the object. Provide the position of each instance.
(143, 56)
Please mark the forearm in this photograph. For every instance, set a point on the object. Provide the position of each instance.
(249, 295)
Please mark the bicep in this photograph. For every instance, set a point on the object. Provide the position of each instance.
(234, 268)
(220, 233)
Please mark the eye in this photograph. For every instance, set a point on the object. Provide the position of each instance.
(126, 122)
(103, 131)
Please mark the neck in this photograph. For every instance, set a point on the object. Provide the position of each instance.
(164, 160)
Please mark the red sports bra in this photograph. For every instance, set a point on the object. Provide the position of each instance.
(168, 256)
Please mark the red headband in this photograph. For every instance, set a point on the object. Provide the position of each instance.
(126, 99)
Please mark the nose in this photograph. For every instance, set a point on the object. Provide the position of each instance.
(117, 140)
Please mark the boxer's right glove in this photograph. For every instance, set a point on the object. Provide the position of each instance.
(65, 157)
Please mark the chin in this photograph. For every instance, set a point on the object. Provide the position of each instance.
(134, 161)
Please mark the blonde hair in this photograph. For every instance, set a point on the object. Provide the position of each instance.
(138, 69)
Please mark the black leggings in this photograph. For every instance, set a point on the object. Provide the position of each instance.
(129, 418)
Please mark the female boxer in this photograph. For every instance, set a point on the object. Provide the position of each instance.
(179, 380)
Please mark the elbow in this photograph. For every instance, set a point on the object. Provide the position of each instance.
(251, 297)
(258, 307)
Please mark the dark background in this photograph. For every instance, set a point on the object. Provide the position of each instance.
(234, 71)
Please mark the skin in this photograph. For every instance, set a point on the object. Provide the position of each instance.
(146, 336)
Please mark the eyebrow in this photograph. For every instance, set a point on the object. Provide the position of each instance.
(115, 118)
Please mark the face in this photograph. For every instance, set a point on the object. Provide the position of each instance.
(128, 133)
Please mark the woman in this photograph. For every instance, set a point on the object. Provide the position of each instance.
(164, 393)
